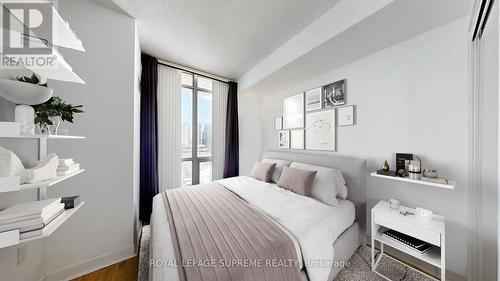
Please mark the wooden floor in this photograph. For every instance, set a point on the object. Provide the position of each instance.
(122, 271)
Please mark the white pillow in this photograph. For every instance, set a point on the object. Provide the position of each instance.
(327, 184)
(278, 168)
(10, 165)
(343, 192)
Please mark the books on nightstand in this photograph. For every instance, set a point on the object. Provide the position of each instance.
(414, 243)
(31, 217)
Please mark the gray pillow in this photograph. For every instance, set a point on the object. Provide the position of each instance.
(279, 167)
(296, 180)
(262, 171)
(327, 184)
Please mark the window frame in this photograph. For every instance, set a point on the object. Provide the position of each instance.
(195, 160)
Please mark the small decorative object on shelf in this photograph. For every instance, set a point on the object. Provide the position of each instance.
(49, 114)
(25, 116)
(394, 204)
(423, 212)
(10, 128)
(402, 162)
(390, 173)
(430, 173)
(70, 202)
(435, 180)
(385, 166)
(414, 169)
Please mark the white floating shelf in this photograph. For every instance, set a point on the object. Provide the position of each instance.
(42, 184)
(49, 137)
(11, 238)
(450, 185)
(59, 70)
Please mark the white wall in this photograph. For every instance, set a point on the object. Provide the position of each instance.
(137, 133)
(411, 97)
(104, 229)
(102, 232)
(250, 132)
(489, 130)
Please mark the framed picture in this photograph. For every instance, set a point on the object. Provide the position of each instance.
(278, 123)
(293, 112)
(321, 130)
(284, 139)
(334, 94)
(297, 139)
(345, 116)
(313, 99)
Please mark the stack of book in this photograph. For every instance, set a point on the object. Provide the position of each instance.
(411, 242)
(66, 167)
(31, 217)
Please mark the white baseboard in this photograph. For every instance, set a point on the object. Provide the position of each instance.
(91, 265)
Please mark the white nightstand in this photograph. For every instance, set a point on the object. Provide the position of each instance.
(429, 229)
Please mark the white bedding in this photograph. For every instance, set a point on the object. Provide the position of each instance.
(314, 225)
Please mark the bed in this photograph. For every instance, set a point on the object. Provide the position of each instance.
(322, 237)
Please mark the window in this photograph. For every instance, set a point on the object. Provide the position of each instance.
(196, 129)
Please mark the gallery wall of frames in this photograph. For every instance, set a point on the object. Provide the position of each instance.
(310, 119)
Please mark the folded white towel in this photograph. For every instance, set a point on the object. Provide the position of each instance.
(71, 168)
(44, 170)
(66, 161)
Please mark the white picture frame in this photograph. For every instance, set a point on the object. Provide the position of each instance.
(293, 112)
(297, 139)
(278, 123)
(313, 99)
(284, 139)
(345, 116)
(321, 130)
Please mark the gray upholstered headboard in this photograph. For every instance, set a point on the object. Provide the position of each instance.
(354, 172)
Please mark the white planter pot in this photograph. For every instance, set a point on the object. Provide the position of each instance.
(24, 93)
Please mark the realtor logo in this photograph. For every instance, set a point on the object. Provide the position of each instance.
(27, 33)
(27, 28)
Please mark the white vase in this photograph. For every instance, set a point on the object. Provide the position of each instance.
(25, 115)
(56, 122)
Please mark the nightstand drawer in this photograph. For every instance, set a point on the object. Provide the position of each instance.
(421, 233)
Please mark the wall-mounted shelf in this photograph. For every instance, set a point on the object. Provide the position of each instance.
(11, 238)
(450, 185)
(49, 137)
(42, 153)
(42, 184)
(60, 70)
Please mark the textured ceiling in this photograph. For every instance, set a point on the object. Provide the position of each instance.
(223, 37)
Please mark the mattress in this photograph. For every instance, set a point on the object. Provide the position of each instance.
(312, 225)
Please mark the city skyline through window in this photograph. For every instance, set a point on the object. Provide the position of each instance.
(196, 112)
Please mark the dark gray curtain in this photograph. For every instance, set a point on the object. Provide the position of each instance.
(232, 158)
(149, 138)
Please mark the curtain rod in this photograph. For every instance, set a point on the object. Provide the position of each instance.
(192, 70)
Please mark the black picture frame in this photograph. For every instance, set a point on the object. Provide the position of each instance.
(334, 94)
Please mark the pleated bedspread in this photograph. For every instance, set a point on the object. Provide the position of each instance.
(218, 236)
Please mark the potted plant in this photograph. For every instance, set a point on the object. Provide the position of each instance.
(49, 114)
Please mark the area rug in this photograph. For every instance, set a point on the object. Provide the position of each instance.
(358, 270)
